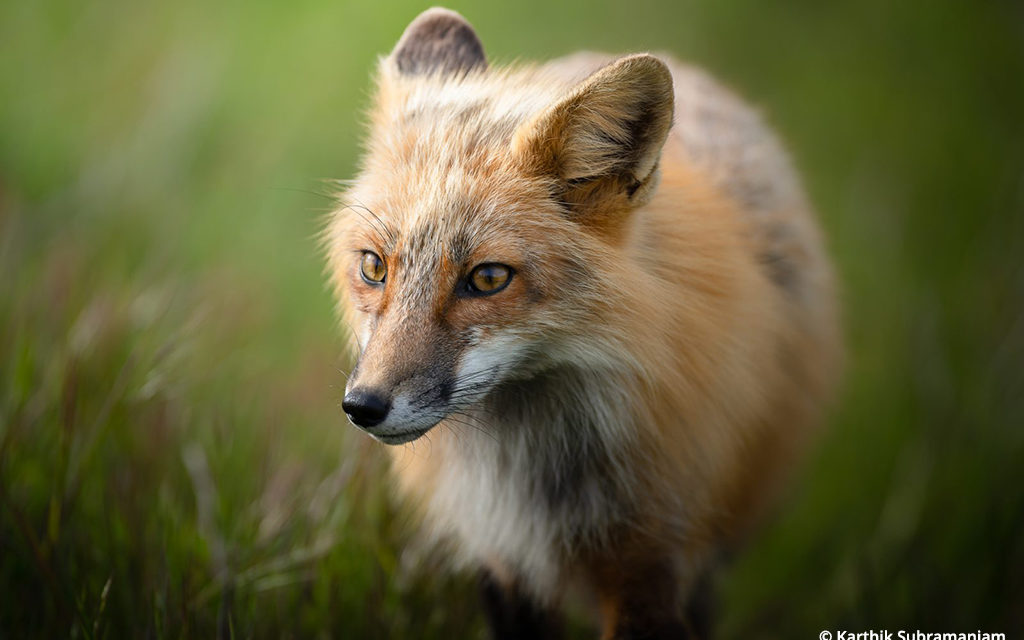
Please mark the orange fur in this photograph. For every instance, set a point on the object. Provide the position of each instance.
(665, 347)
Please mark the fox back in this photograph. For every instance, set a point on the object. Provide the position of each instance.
(593, 316)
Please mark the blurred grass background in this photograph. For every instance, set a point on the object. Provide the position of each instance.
(173, 459)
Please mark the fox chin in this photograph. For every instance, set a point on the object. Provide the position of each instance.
(596, 283)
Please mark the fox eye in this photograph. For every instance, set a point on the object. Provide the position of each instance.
(489, 278)
(372, 268)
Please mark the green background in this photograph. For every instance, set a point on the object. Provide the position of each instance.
(173, 458)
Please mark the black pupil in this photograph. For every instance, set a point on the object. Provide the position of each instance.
(489, 278)
(373, 266)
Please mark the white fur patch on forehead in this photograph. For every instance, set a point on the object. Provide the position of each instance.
(511, 94)
(489, 102)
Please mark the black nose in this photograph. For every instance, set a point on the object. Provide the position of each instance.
(365, 408)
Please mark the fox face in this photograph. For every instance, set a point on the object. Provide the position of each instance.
(445, 308)
(457, 253)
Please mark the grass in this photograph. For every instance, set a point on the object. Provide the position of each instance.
(173, 461)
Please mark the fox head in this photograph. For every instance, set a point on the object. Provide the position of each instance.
(479, 245)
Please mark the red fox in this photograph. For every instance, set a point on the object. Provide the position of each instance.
(596, 289)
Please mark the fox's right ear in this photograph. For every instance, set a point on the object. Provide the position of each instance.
(601, 143)
(438, 41)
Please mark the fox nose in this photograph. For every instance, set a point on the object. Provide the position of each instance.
(366, 408)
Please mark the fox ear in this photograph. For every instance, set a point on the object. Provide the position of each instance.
(602, 142)
(439, 41)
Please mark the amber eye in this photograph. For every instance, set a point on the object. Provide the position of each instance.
(372, 268)
(489, 278)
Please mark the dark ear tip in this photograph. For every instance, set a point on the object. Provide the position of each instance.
(651, 67)
(439, 40)
(431, 20)
(438, 13)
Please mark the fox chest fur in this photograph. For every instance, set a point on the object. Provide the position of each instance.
(593, 316)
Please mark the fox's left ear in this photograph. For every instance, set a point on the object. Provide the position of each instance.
(438, 41)
(602, 142)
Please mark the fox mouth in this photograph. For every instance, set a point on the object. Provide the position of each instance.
(401, 438)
